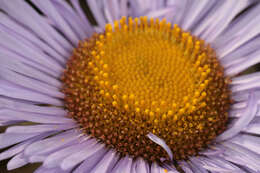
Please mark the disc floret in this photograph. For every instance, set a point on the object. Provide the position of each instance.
(144, 75)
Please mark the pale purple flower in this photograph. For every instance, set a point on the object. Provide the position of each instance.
(34, 49)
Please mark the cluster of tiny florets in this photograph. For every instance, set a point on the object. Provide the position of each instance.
(142, 76)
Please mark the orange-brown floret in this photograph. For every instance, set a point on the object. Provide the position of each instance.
(144, 75)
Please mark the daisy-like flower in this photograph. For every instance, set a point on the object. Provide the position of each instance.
(154, 86)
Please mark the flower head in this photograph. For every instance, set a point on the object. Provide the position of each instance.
(155, 86)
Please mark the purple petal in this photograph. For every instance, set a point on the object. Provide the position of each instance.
(212, 151)
(112, 10)
(30, 18)
(241, 53)
(17, 57)
(6, 114)
(72, 18)
(30, 83)
(240, 66)
(91, 149)
(53, 14)
(123, 7)
(170, 171)
(8, 139)
(228, 10)
(20, 147)
(8, 122)
(240, 97)
(196, 13)
(124, 165)
(182, 7)
(15, 45)
(18, 67)
(106, 164)
(89, 164)
(11, 90)
(240, 105)
(195, 169)
(211, 165)
(54, 159)
(248, 141)
(139, 7)
(50, 170)
(36, 158)
(243, 121)
(162, 143)
(251, 155)
(197, 166)
(141, 166)
(97, 12)
(155, 168)
(242, 29)
(29, 107)
(241, 156)
(52, 143)
(12, 25)
(85, 22)
(244, 79)
(162, 13)
(247, 86)
(186, 168)
(253, 127)
(17, 161)
(39, 128)
(248, 169)
(225, 164)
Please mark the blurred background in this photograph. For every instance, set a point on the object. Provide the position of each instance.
(30, 168)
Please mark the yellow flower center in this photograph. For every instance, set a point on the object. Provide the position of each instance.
(146, 76)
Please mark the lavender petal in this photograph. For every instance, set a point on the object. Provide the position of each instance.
(106, 164)
(53, 14)
(243, 121)
(123, 165)
(51, 144)
(76, 158)
(162, 143)
(16, 162)
(89, 164)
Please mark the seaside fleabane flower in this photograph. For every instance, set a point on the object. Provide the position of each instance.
(153, 87)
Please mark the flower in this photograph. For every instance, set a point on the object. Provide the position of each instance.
(59, 103)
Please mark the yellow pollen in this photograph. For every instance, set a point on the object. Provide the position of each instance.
(145, 75)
